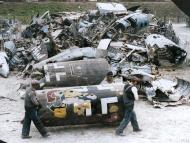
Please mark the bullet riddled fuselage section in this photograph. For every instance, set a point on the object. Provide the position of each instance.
(76, 73)
(98, 104)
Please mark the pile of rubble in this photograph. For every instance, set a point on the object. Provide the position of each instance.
(77, 49)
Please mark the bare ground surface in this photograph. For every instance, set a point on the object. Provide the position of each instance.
(167, 125)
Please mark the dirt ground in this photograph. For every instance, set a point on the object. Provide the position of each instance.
(167, 125)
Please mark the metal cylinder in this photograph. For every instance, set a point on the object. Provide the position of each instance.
(76, 73)
(81, 105)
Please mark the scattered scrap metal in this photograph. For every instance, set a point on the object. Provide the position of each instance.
(169, 92)
(129, 43)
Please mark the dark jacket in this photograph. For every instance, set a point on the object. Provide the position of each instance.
(30, 98)
(128, 97)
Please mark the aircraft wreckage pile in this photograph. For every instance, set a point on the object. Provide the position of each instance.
(74, 51)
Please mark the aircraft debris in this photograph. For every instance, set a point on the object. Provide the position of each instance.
(163, 49)
(168, 92)
(81, 105)
(115, 8)
(78, 48)
(4, 67)
(76, 73)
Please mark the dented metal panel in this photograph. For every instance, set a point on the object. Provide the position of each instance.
(145, 72)
(4, 67)
(18, 60)
(40, 52)
(10, 48)
(136, 48)
(104, 43)
(116, 8)
(169, 92)
(81, 105)
(163, 51)
(159, 40)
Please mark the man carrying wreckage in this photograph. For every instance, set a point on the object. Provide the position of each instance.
(31, 104)
(130, 94)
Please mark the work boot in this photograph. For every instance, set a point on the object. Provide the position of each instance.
(137, 130)
(46, 135)
(26, 137)
(119, 134)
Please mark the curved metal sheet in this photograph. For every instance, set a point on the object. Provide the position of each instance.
(76, 73)
(4, 67)
(81, 105)
(163, 51)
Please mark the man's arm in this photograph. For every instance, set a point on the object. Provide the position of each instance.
(34, 99)
(135, 92)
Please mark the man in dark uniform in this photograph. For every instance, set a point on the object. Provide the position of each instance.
(130, 94)
(31, 104)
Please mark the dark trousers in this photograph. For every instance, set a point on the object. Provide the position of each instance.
(31, 115)
(129, 115)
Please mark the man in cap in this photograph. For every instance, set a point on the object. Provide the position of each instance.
(130, 94)
(31, 104)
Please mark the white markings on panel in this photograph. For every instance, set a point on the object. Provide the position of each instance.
(36, 52)
(104, 43)
(45, 67)
(106, 86)
(59, 74)
(89, 110)
(80, 89)
(55, 66)
(118, 86)
(71, 69)
(79, 67)
(42, 84)
(105, 102)
(73, 72)
(58, 67)
(47, 77)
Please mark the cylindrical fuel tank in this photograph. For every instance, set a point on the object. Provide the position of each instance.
(76, 73)
(81, 105)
